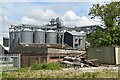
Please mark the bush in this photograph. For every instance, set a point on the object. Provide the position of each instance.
(45, 66)
(104, 37)
(22, 69)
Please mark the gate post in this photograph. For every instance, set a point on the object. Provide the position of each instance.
(19, 60)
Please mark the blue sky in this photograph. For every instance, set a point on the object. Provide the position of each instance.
(20, 8)
(72, 13)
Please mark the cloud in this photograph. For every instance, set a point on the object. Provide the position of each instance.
(70, 15)
(71, 19)
(27, 20)
(38, 16)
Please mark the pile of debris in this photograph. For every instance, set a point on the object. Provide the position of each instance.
(79, 61)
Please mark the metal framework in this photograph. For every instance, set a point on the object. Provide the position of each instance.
(10, 66)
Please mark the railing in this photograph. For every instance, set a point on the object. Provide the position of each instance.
(9, 62)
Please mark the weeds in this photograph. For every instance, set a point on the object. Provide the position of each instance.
(49, 66)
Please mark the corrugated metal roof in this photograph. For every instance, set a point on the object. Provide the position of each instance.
(51, 31)
(40, 48)
(76, 33)
(6, 48)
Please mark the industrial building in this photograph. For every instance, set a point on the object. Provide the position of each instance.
(47, 34)
(52, 42)
(4, 47)
(32, 53)
(75, 39)
(36, 44)
(47, 43)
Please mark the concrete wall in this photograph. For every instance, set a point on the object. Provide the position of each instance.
(117, 55)
(52, 50)
(103, 54)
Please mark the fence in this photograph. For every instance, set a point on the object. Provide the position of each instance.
(9, 62)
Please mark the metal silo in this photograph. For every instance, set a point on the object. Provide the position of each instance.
(83, 40)
(11, 41)
(17, 37)
(51, 37)
(27, 36)
(39, 36)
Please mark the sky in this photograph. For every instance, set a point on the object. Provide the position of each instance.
(72, 13)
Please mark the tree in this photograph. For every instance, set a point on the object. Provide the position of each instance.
(110, 36)
(105, 37)
(108, 13)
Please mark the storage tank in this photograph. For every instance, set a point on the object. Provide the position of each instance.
(51, 37)
(11, 41)
(39, 36)
(17, 37)
(83, 40)
(27, 36)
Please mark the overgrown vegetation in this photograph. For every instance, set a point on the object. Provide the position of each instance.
(60, 74)
(45, 66)
(105, 37)
(109, 13)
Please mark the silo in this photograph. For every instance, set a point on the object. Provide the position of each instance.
(83, 40)
(51, 37)
(17, 37)
(27, 36)
(39, 36)
(11, 41)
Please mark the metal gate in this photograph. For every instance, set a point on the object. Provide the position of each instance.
(9, 62)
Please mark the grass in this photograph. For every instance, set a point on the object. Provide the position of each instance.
(55, 70)
(45, 66)
(6, 62)
(0, 75)
(26, 73)
(6, 68)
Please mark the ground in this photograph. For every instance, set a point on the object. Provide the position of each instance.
(86, 72)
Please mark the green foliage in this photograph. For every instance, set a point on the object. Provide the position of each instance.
(44, 66)
(106, 37)
(90, 75)
(60, 74)
(22, 69)
(108, 13)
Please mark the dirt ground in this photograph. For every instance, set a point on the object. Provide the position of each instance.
(94, 69)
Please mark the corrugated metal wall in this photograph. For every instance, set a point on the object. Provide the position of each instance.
(117, 55)
(103, 54)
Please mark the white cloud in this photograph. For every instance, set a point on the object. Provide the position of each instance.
(38, 16)
(42, 14)
(27, 20)
(71, 19)
(70, 15)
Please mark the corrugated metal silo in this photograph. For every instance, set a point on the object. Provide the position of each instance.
(27, 36)
(83, 40)
(17, 37)
(51, 37)
(12, 38)
(39, 36)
